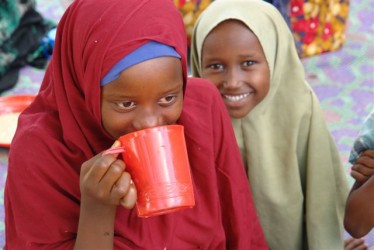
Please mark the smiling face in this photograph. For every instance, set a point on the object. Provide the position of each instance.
(233, 59)
(145, 95)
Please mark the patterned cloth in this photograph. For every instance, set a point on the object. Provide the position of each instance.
(365, 140)
(190, 10)
(318, 26)
(22, 29)
(10, 16)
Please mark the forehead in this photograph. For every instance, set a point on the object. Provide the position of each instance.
(229, 36)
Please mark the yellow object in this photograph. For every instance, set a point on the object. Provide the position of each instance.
(191, 10)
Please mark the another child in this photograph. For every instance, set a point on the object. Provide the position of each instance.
(297, 179)
(120, 66)
(359, 213)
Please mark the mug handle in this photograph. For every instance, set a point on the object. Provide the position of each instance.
(113, 151)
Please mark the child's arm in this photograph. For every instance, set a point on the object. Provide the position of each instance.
(359, 216)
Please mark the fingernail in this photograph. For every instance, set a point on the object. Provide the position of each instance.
(116, 144)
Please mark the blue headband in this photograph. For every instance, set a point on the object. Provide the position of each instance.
(148, 51)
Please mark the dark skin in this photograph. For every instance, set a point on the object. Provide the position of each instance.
(125, 107)
(359, 215)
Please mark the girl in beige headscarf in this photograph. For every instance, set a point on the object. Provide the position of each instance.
(298, 182)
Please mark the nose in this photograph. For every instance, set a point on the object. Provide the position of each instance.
(233, 78)
(148, 118)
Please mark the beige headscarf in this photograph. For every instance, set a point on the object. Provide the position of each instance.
(297, 179)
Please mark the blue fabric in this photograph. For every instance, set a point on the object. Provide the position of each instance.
(365, 140)
(283, 7)
(148, 51)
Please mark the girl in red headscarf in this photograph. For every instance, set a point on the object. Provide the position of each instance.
(117, 67)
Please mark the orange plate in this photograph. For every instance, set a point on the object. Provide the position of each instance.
(13, 104)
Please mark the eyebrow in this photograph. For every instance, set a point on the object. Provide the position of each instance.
(123, 95)
(218, 59)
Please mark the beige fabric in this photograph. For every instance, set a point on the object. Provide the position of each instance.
(297, 179)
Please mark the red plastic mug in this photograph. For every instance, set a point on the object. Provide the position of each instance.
(158, 163)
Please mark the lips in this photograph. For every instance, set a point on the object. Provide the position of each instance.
(235, 98)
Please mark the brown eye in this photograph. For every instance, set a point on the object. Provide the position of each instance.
(128, 105)
(168, 99)
(215, 66)
(248, 63)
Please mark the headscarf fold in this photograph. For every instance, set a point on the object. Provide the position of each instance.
(295, 171)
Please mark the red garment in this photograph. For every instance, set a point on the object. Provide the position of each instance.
(62, 129)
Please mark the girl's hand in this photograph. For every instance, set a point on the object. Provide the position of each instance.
(355, 244)
(104, 182)
(363, 169)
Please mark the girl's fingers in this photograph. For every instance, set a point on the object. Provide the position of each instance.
(97, 166)
(116, 144)
(129, 200)
(355, 244)
(98, 169)
(111, 176)
(369, 153)
(115, 149)
(363, 169)
(366, 160)
(358, 176)
(121, 187)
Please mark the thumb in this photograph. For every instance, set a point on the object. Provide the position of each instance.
(116, 144)
(114, 150)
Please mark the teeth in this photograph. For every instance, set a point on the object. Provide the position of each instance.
(235, 98)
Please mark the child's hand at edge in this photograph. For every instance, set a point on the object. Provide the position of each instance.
(355, 244)
(104, 181)
(363, 169)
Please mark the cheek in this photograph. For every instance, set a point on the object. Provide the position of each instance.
(216, 80)
(261, 82)
(175, 113)
(108, 126)
(104, 118)
(265, 85)
(115, 124)
(264, 88)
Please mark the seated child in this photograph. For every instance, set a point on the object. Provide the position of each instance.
(297, 179)
(118, 67)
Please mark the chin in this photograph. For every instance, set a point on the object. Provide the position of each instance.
(237, 115)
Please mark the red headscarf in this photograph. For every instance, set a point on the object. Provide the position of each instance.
(62, 129)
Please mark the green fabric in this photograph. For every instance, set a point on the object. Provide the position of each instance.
(11, 12)
(22, 30)
(295, 171)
